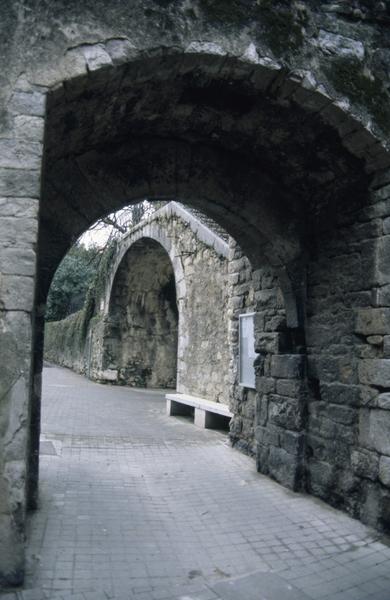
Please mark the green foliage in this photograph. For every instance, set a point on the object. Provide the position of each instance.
(104, 268)
(71, 282)
(64, 338)
(96, 288)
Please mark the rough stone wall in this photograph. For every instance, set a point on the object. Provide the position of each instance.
(319, 417)
(145, 332)
(19, 206)
(268, 420)
(141, 337)
(64, 345)
(348, 451)
(67, 346)
(242, 289)
(204, 370)
(199, 258)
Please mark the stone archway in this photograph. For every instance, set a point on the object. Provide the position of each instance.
(128, 124)
(198, 252)
(175, 287)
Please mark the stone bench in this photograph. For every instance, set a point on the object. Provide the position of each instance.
(207, 414)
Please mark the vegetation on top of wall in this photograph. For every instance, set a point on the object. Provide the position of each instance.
(96, 287)
(64, 334)
(80, 280)
(65, 339)
(71, 282)
(74, 327)
(348, 77)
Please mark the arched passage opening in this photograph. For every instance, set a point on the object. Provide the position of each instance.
(270, 157)
(141, 337)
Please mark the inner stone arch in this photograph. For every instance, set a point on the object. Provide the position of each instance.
(141, 339)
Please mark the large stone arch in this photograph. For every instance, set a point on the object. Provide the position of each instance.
(87, 58)
(162, 300)
(154, 232)
(199, 259)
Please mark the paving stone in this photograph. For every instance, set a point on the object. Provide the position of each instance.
(258, 586)
(31, 595)
(137, 505)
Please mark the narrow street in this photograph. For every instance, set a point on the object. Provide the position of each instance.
(136, 505)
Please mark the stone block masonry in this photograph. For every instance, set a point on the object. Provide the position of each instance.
(268, 419)
(348, 372)
(319, 418)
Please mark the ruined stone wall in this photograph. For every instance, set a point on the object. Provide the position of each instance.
(143, 319)
(145, 332)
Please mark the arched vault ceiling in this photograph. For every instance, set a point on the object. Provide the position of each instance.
(206, 133)
(223, 110)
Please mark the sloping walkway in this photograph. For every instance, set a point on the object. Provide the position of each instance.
(136, 505)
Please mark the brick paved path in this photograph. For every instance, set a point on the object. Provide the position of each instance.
(136, 505)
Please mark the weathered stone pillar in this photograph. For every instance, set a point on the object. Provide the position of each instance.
(270, 421)
(20, 166)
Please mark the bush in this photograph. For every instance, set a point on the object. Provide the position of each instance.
(71, 282)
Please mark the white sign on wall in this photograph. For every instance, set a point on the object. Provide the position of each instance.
(248, 355)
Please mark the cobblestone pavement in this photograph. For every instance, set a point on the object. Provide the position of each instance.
(136, 505)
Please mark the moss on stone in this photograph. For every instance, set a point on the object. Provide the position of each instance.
(104, 269)
(63, 334)
(235, 11)
(282, 26)
(280, 22)
(348, 78)
(96, 288)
